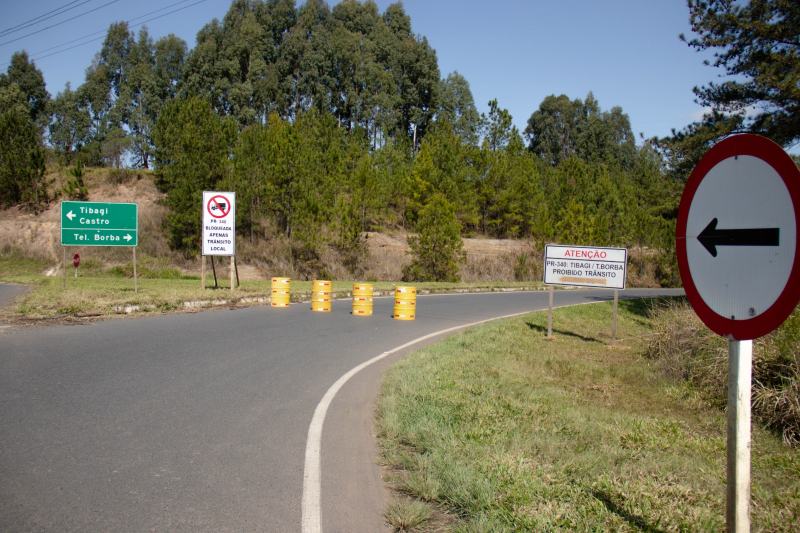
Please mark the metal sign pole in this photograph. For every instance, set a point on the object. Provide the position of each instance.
(135, 283)
(614, 321)
(65, 268)
(203, 271)
(233, 273)
(550, 315)
(740, 369)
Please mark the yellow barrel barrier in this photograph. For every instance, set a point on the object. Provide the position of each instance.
(405, 303)
(280, 292)
(321, 296)
(362, 299)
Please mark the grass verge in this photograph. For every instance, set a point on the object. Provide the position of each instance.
(512, 432)
(107, 292)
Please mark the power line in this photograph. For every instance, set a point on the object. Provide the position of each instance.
(35, 56)
(34, 21)
(59, 23)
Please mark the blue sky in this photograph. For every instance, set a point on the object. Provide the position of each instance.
(626, 52)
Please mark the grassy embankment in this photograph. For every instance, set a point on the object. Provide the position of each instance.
(498, 429)
(100, 291)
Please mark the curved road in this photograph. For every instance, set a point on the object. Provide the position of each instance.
(198, 422)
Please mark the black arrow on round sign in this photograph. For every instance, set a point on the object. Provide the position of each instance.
(711, 237)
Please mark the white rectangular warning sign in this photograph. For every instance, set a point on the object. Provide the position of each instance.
(219, 223)
(585, 266)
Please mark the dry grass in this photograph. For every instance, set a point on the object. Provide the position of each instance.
(405, 514)
(684, 349)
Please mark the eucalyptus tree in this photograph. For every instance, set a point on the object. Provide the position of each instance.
(305, 62)
(114, 54)
(95, 97)
(70, 128)
(562, 128)
(415, 73)
(551, 129)
(205, 73)
(139, 100)
(354, 55)
(123, 93)
(241, 64)
(170, 57)
(457, 106)
(236, 62)
(604, 135)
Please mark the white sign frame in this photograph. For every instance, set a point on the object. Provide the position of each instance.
(585, 266)
(219, 223)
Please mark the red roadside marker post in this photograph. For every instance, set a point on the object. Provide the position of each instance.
(739, 259)
(76, 261)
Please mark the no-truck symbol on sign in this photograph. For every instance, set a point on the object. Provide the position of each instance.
(218, 206)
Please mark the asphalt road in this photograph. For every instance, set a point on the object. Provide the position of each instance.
(198, 422)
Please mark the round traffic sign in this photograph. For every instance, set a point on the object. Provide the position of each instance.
(737, 237)
(219, 206)
(76, 260)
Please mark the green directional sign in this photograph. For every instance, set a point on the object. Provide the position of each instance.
(99, 224)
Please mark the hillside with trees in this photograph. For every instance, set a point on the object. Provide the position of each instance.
(333, 122)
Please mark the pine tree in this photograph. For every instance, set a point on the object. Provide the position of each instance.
(75, 189)
(192, 149)
(437, 248)
(18, 140)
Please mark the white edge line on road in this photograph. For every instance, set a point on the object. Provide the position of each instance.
(312, 471)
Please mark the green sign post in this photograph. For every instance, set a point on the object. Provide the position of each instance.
(99, 224)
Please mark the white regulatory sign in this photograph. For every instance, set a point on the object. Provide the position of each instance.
(737, 237)
(219, 223)
(585, 266)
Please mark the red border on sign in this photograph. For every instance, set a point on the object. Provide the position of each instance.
(772, 154)
(214, 199)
